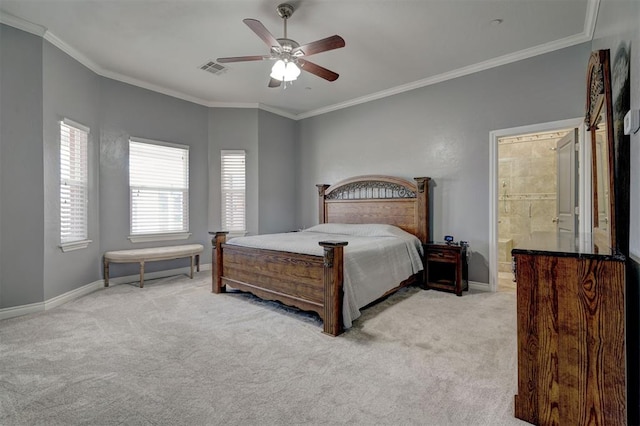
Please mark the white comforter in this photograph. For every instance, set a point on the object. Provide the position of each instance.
(377, 258)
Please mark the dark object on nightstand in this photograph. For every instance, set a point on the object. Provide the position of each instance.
(446, 267)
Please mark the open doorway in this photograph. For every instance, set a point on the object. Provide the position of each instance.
(525, 196)
(528, 173)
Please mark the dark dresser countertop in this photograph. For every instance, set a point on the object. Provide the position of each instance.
(565, 245)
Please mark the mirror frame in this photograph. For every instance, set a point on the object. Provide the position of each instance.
(599, 98)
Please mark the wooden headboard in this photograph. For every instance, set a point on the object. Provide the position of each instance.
(378, 199)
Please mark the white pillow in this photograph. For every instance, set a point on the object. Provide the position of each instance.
(359, 229)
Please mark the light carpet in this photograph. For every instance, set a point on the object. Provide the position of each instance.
(173, 353)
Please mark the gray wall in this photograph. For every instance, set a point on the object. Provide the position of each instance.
(40, 85)
(277, 174)
(21, 172)
(127, 111)
(270, 144)
(442, 131)
(234, 128)
(69, 91)
(617, 26)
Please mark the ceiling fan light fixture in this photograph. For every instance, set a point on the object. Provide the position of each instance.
(284, 71)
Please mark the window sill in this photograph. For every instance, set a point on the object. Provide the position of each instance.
(233, 234)
(75, 245)
(159, 237)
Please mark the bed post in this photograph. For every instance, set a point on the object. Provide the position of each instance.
(322, 213)
(333, 292)
(422, 195)
(219, 238)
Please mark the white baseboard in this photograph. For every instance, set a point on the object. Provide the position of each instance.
(476, 285)
(32, 308)
(72, 295)
(16, 311)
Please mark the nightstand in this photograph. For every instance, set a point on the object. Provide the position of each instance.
(446, 267)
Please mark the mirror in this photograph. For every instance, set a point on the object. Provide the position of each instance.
(601, 179)
(599, 120)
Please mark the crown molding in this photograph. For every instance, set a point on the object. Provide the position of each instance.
(75, 54)
(253, 105)
(591, 16)
(460, 72)
(278, 111)
(233, 104)
(38, 30)
(152, 87)
(21, 24)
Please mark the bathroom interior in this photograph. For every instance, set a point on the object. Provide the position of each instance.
(527, 185)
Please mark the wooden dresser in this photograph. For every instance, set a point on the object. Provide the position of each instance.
(571, 336)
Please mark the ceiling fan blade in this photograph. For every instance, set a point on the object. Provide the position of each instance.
(274, 83)
(243, 58)
(262, 32)
(318, 70)
(329, 43)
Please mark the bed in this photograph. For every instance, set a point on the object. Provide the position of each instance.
(314, 279)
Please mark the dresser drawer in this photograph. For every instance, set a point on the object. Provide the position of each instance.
(442, 256)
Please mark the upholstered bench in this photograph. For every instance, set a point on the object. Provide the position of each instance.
(150, 255)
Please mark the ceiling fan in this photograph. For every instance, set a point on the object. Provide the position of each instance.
(289, 55)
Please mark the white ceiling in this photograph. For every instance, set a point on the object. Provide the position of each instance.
(391, 45)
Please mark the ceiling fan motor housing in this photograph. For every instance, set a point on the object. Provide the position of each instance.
(288, 44)
(285, 10)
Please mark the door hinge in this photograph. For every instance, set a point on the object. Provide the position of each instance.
(576, 210)
(577, 146)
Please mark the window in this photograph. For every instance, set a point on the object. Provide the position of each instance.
(233, 191)
(74, 181)
(159, 190)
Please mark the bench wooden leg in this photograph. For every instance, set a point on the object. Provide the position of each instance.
(198, 262)
(106, 273)
(191, 273)
(141, 274)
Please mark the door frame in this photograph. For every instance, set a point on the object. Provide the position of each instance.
(584, 181)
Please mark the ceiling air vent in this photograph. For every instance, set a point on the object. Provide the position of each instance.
(213, 68)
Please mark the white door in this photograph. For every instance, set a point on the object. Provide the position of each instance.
(567, 203)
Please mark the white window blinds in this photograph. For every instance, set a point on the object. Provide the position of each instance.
(74, 180)
(233, 190)
(159, 187)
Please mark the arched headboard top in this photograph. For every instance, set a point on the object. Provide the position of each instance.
(357, 187)
(378, 199)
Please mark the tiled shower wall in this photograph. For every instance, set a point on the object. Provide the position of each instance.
(527, 192)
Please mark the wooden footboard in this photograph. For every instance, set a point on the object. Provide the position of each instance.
(310, 283)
